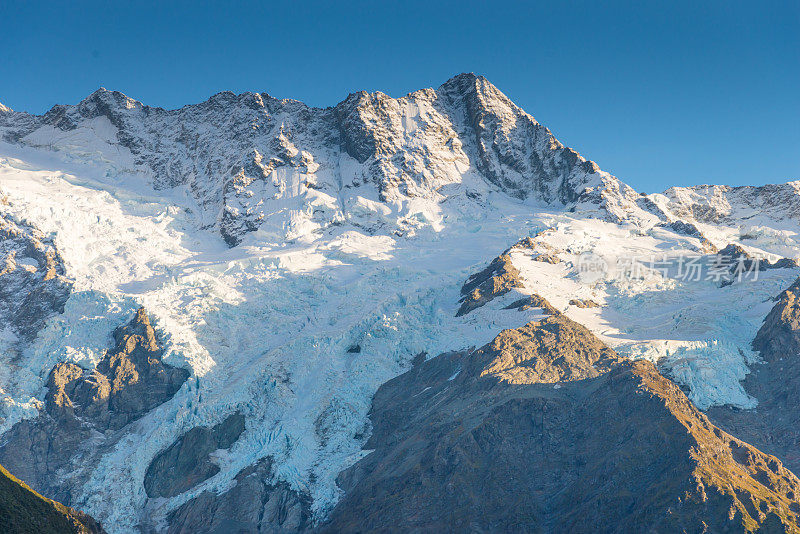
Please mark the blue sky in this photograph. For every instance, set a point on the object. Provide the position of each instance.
(658, 93)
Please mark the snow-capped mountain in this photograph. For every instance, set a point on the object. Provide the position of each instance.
(201, 306)
(253, 162)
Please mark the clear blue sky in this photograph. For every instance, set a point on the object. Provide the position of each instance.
(658, 93)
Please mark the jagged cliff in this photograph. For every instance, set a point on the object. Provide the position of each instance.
(85, 409)
(292, 261)
(254, 162)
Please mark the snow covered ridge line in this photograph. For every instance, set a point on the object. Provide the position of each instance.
(725, 204)
(253, 163)
(653, 294)
(295, 259)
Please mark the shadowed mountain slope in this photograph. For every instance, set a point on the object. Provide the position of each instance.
(23, 511)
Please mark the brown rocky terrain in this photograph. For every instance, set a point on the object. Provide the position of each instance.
(545, 429)
(583, 303)
(494, 281)
(532, 301)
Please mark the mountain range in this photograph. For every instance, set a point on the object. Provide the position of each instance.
(421, 314)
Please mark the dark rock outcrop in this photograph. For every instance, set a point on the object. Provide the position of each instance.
(127, 383)
(779, 336)
(533, 301)
(583, 303)
(23, 511)
(494, 281)
(33, 282)
(187, 462)
(253, 505)
(547, 430)
(691, 230)
(735, 254)
(82, 409)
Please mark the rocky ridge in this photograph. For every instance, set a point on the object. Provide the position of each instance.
(187, 462)
(33, 281)
(775, 382)
(726, 204)
(256, 503)
(254, 162)
(613, 447)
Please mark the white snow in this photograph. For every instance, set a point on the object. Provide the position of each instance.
(265, 327)
(698, 332)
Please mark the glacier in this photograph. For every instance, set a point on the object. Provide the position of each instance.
(267, 239)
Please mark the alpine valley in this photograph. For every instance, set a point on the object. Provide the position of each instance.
(417, 314)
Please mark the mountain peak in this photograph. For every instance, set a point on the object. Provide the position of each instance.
(469, 83)
(116, 98)
(409, 147)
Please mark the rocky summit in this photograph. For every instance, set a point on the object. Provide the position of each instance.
(416, 314)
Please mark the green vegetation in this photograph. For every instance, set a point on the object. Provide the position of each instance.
(22, 511)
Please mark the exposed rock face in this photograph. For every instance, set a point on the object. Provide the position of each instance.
(533, 301)
(779, 336)
(187, 462)
(583, 303)
(477, 441)
(548, 257)
(83, 408)
(494, 281)
(33, 285)
(553, 349)
(774, 425)
(256, 162)
(740, 264)
(545, 253)
(690, 229)
(254, 504)
(127, 383)
(23, 511)
(736, 253)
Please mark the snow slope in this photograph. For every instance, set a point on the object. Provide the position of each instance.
(698, 332)
(265, 329)
(297, 258)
